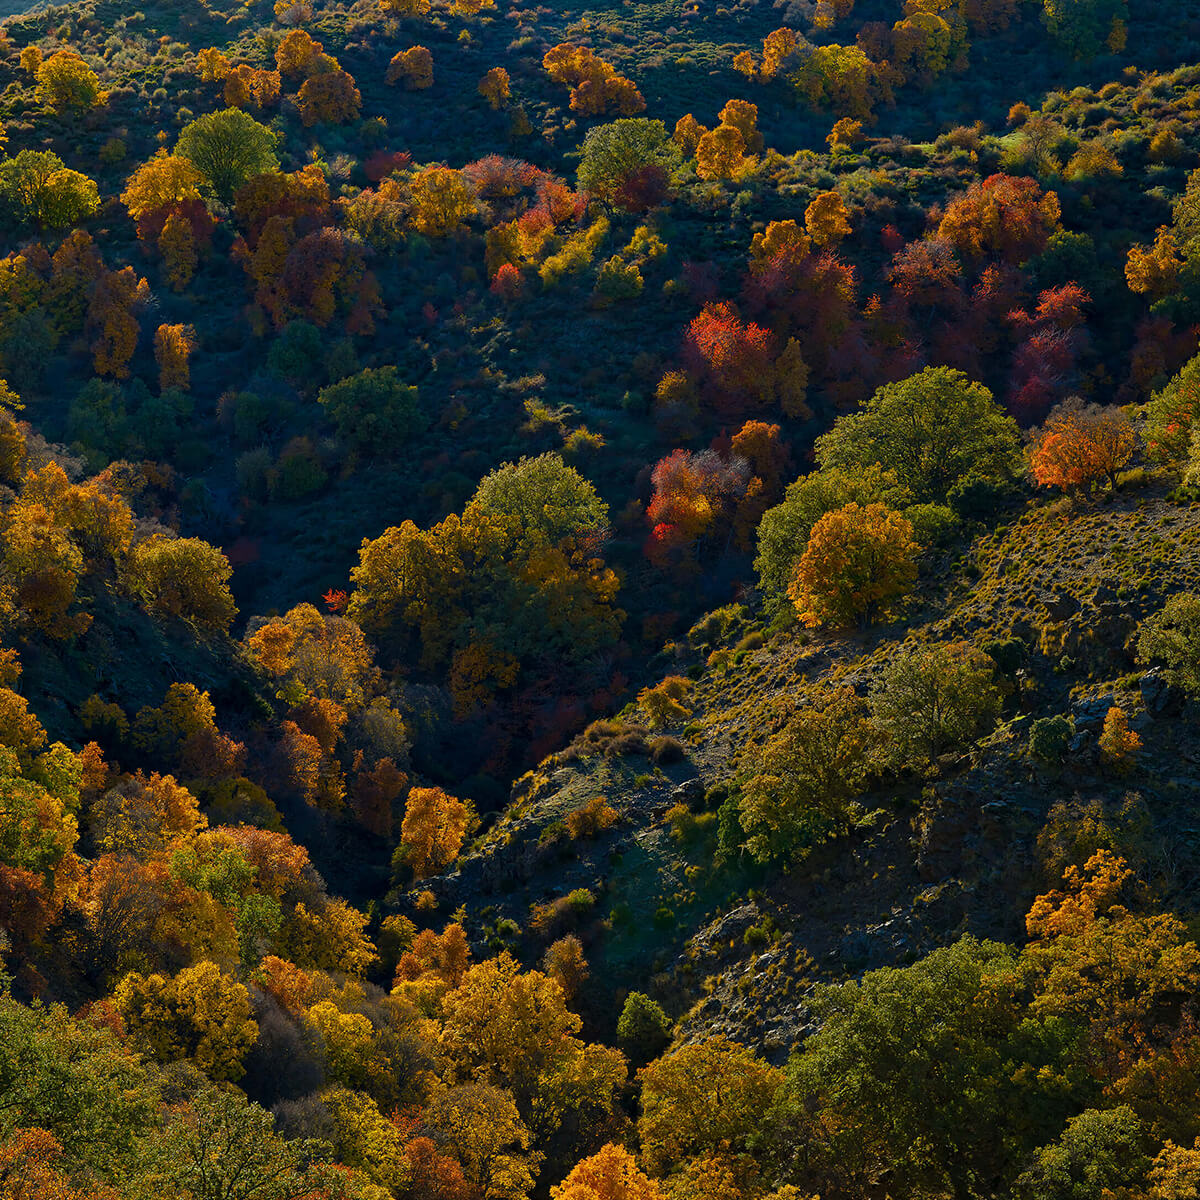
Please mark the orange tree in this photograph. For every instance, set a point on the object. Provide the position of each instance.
(857, 561)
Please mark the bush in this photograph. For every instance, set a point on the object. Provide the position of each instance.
(1049, 738)
(373, 410)
(666, 750)
(1172, 637)
(592, 818)
(644, 1029)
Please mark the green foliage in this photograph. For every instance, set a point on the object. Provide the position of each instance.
(1101, 1152)
(936, 430)
(1049, 738)
(930, 699)
(644, 1029)
(611, 155)
(1172, 637)
(373, 410)
(228, 148)
(1083, 26)
(41, 190)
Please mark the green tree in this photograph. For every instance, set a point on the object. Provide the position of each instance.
(937, 430)
(932, 698)
(1171, 414)
(808, 773)
(1100, 1153)
(41, 189)
(373, 410)
(1172, 637)
(222, 1146)
(1083, 27)
(644, 1030)
(228, 148)
(545, 499)
(184, 577)
(908, 1075)
(612, 155)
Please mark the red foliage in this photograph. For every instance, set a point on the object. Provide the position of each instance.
(507, 283)
(383, 162)
(732, 359)
(1044, 365)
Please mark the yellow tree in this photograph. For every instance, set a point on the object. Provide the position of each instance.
(166, 182)
(494, 87)
(414, 66)
(442, 199)
(434, 827)
(610, 1174)
(173, 346)
(857, 561)
(199, 1014)
(720, 153)
(826, 219)
(66, 82)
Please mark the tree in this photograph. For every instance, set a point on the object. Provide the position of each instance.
(164, 184)
(1079, 445)
(414, 66)
(826, 219)
(480, 1125)
(1171, 413)
(1118, 743)
(329, 98)
(373, 410)
(494, 87)
(442, 199)
(1083, 27)
(721, 153)
(66, 82)
(908, 1075)
(513, 1030)
(936, 430)
(839, 77)
(405, 8)
(644, 1029)
(222, 1146)
(857, 561)
(610, 1174)
(173, 346)
(296, 54)
(1154, 270)
(595, 86)
(1004, 216)
(731, 358)
(433, 830)
(707, 1097)
(228, 148)
(613, 155)
(807, 774)
(44, 191)
(246, 85)
(932, 698)
(184, 577)
(1172, 636)
(199, 1014)
(784, 530)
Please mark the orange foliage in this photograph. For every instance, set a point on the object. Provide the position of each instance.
(1079, 445)
(596, 88)
(445, 955)
(1002, 216)
(110, 318)
(330, 98)
(494, 87)
(295, 54)
(732, 359)
(414, 66)
(433, 830)
(246, 86)
(173, 346)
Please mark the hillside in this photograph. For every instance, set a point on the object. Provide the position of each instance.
(599, 601)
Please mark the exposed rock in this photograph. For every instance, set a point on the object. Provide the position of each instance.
(1160, 696)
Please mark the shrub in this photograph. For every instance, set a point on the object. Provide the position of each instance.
(1049, 738)
(592, 818)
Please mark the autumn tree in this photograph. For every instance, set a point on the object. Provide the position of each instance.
(405, 8)
(721, 153)
(329, 98)
(842, 78)
(1002, 216)
(432, 832)
(165, 185)
(937, 431)
(173, 346)
(596, 88)
(414, 66)
(1154, 270)
(247, 86)
(743, 116)
(1081, 444)
(296, 54)
(228, 148)
(857, 562)
(67, 83)
(199, 1014)
(706, 1097)
(826, 219)
(730, 357)
(442, 199)
(494, 87)
(609, 1174)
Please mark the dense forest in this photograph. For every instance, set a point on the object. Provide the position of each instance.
(600, 601)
